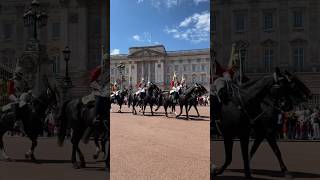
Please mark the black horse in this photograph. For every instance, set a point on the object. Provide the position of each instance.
(266, 126)
(188, 97)
(119, 99)
(243, 109)
(194, 100)
(152, 97)
(168, 99)
(79, 118)
(136, 100)
(32, 116)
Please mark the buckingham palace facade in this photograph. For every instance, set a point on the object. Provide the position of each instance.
(157, 65)
(269, 34)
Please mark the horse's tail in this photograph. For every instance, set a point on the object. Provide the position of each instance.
(63, 123)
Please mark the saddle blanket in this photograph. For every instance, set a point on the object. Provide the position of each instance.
(6, 107)
(87, 99)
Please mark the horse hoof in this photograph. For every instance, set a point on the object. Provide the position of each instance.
(288, 175)
(75, 166)
(82, 164)
(33, 158)
(8, 159)
(216, 171)
(119, 111)
(27, 156)
(95, 157)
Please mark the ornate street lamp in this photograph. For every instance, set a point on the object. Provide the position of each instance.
(66, 52)
(34, 17)
(121, 66)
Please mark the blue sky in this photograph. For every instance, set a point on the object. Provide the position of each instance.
(177, 24)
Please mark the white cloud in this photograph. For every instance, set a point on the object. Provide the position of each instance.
(186, 22)
(115, 51)
(199, 1)
(195, 28)
(169, 3)
(136, 37)
(145, 38)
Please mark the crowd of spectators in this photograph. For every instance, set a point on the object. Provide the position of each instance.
(302, 123)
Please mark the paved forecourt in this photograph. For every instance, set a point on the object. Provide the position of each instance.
(155, 147)
(54, 161)
(301, 158)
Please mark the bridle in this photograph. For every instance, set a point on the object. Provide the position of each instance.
(274, 103)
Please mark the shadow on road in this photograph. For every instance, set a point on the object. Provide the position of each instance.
(44, 161)
(234, 178)
(52, 161)
(271, 173)
(193, 118)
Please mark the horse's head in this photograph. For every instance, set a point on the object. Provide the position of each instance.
(51, 97)
(289, 90)
(297, 90)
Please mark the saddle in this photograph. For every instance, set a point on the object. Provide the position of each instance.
(88, 100)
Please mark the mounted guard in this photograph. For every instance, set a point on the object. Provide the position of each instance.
(115, 90)
(228, 76)
(19, 94)
(141, 88)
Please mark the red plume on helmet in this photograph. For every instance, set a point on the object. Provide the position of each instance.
(95, 73)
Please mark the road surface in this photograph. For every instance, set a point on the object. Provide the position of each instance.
(54, 161)
(160, 148)
(301, 158)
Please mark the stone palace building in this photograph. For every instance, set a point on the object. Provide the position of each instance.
(271, 33)
(156, 64)
(74, 23)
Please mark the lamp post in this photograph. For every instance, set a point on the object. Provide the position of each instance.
(67, 83)
(35, 17)
(120, 67)
(66, 52)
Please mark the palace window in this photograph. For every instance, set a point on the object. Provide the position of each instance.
(240, 22)
(298, 58)
(268, 21)
(55, 30)
(203, 67)
(194, 67)
(268, 59)
(56, 64)
(298, 19)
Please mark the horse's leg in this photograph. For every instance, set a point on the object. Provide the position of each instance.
(244, 142)
(144, 108)
(120, 108)
(96, 142)
(195, 106)
(257, 141)
(228, 145)
(151, 108)
(275, 148)
(181, 108)
(30, 153)
(165, 110)
(187, 113)
(2, 149)
(103, 145)
(81, 157)
(75, 143)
